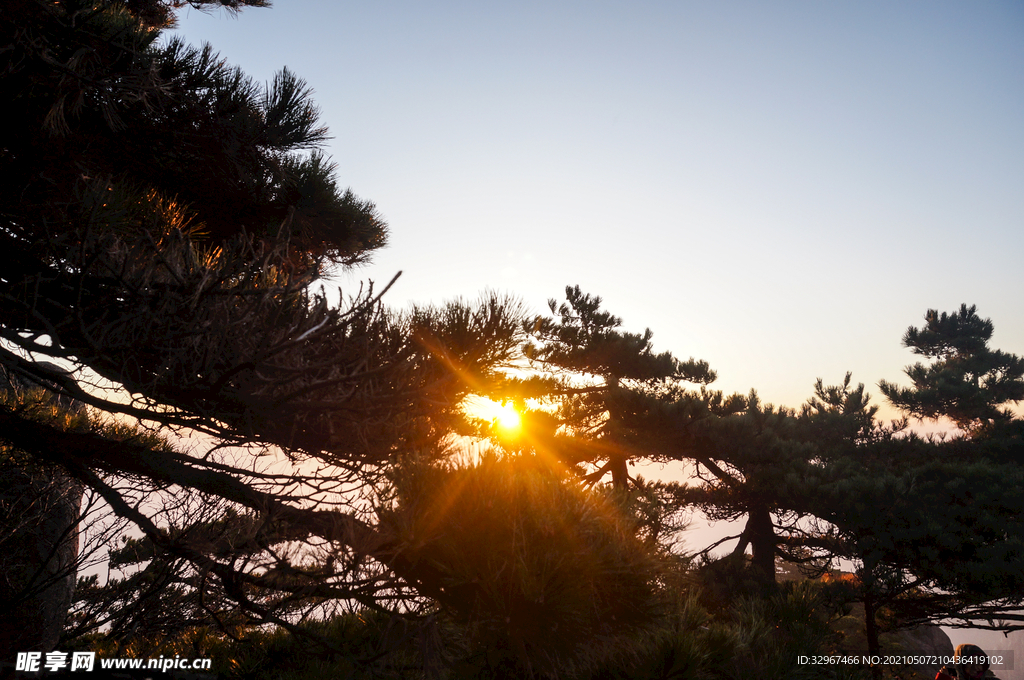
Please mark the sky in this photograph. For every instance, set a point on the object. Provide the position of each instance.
(780, 188)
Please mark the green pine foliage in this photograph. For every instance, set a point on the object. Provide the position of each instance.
(598, 371)
(544, 573)
(751, 637)
(966, 382)
(163, 220)
(360, 645)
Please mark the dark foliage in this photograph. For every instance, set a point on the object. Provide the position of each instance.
(966, 382)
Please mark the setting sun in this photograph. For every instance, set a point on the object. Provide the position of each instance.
(508, 418)
(505, 416)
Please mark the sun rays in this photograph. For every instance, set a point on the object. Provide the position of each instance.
(505, 416)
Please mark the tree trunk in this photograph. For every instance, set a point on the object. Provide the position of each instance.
(39, 551)
(618, 459)
(39, 559)
(871, 632)
(761, 534)
(620, 473)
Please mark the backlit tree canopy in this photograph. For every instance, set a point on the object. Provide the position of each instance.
(163, 218)
(167, 229)
(967, 382)
(162, 222)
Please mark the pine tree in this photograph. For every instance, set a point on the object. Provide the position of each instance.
(163, 220)
(933, 525)
(602, 371)
(966, 382)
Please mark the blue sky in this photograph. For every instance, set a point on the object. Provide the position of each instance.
(778, 188)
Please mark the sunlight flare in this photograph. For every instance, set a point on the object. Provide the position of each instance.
(504, 415)
(508, 418)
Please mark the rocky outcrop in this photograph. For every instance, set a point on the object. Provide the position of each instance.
(926, 640)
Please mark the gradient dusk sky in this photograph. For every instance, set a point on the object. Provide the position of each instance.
(779, 188)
